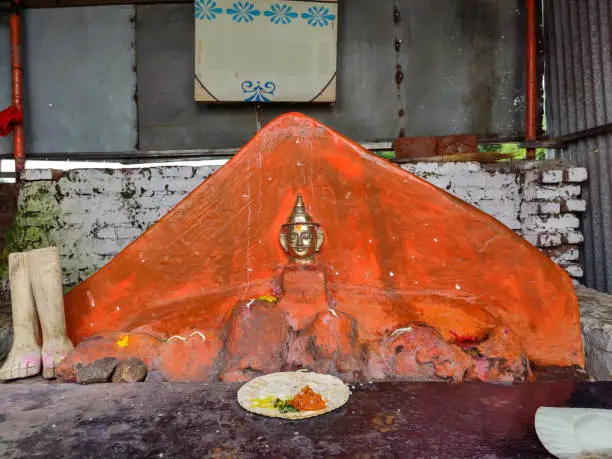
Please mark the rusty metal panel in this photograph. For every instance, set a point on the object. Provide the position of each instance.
(461, 62)
(168, 118)
(79, 80)
(579, 83)
(464, 66)
(461, 65)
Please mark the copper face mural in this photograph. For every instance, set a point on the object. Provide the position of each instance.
(411, 284)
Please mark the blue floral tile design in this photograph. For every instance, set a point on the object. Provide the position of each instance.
(243, 12)
(318, 16)
(280, 14)
(256, 92)
(207, 9)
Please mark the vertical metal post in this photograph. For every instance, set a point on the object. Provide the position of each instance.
(532, 83)
(17, 85)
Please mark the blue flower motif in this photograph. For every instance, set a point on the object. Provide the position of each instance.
(243, 11)
(207, 9)
(256, 92)
(280, 14)
(318, 16)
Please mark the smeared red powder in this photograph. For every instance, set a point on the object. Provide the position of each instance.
(466, 341)
(307, 400)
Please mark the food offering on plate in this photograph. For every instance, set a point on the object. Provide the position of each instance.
(293, 395)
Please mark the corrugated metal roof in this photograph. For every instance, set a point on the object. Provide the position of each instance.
(579, 83)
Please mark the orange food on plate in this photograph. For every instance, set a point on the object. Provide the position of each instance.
(307, 400)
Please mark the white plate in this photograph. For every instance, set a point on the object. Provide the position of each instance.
(286, 385)
(575, 432)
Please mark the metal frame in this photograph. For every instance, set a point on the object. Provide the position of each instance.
(19, 149)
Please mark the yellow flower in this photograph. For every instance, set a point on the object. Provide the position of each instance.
(268, 298)
(123, 342)
(267, 402)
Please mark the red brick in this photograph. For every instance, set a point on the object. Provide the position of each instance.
(414, 147)
(457, 144)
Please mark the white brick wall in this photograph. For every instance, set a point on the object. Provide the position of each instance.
(96, 213)
(539, 200)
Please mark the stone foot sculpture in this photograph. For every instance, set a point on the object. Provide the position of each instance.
(36, 286)
(24, 358)
(46, 280)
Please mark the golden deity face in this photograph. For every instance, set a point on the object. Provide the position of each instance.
(300, 237)
(301, 241)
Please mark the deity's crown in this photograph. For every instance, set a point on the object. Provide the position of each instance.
(299, 216)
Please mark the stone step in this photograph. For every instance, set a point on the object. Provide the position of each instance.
(596, 320)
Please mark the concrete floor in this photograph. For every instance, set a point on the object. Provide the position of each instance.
(204, 420)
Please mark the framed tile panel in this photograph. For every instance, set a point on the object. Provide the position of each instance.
(265, 51)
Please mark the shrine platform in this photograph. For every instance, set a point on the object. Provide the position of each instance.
(204, 420)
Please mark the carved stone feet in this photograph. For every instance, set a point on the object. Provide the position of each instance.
(53, 352)
(22, 362)
(36, 293)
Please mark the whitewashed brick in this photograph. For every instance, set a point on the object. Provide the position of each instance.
(576, 175)
(552, 176)
(537, 223)
(500, 179)
(440, 181)
(529, 208)
(573, 237)
(531, 177)
(549, 240)
(422, 169)
(468, 194)
(574, 205)
(72, 219)
(98, 204)
(532, 238)
(493, 193)
(105, 246)
(183, 186)
(120, 217)
(206, 171)
(97, 181)
(504, 210)
(564, 254)
(573, 269)
(106, 233)
(32, 175)
(178, 172)
(128, 232)
(476, 179)
(551, 193)
(511, 222)
(550, 208)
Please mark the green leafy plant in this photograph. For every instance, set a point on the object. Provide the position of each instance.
(284, 406)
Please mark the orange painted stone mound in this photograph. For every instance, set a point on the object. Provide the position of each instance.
(411, 283)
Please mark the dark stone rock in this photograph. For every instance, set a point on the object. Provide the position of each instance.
(130, 371)
(99, 371)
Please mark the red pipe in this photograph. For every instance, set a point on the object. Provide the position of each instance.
(532, 78)
(17, 85)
